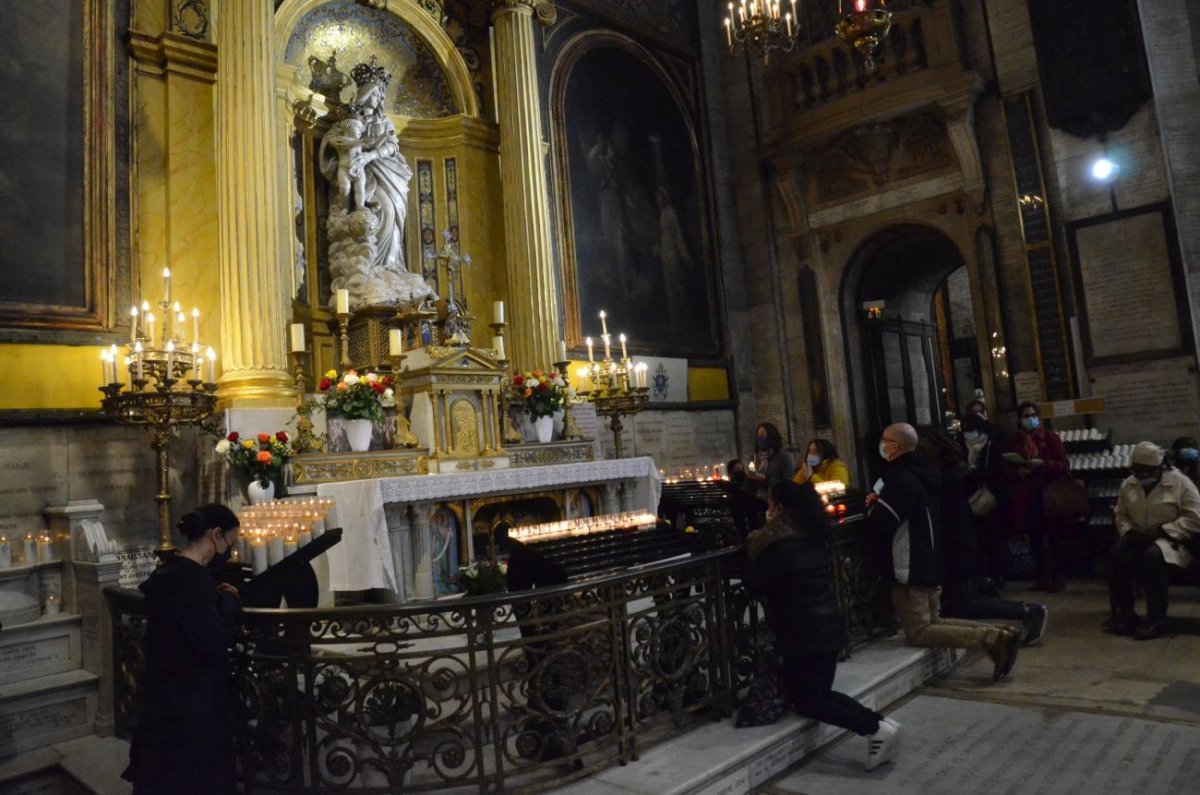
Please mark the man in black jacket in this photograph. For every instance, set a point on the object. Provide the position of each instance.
(907, 511)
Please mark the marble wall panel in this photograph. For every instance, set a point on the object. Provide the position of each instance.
(33, 474)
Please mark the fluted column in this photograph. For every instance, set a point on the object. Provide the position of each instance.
(253, 284)
(533, 297)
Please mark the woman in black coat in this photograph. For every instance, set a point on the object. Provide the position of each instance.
(790, 567)
(184, 738)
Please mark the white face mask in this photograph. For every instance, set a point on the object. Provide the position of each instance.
(972, 436)
(883, 452)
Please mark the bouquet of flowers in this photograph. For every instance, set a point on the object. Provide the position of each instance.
(357, 397)
(483, 576)
(540, 394)
(260, 458)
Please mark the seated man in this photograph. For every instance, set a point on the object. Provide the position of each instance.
(1158, 519)
(907, 514)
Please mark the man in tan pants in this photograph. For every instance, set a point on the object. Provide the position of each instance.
(906, 512)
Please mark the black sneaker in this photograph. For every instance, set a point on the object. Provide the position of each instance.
(1036, 617)
(1151, 630)
(1121, 624)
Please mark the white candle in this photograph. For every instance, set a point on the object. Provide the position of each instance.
(728, 32)
(274, 550)
(607, 347)
(603, 324)
(104, 366)
(137, 357)
(497, 311)
(562, 351)
(289, 546)
(624, 353)
(167, 286)
(29, 550)
(258, 555)
(45, 553)
(343, 302)
(196, 359)
(582, 379)
(212, 365)
(305, 538)
(150, 328)
(112, 357)
(5, 553)
(498, 346)
(195, 325)
(52, 605)
(298, 338)
(133, 325)
(170, 359)
(396, 342)
(243, 552)
(589, 344)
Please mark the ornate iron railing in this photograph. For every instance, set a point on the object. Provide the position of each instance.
(513, 692)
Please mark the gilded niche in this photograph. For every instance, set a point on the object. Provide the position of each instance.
(464, 428)
(869, 157)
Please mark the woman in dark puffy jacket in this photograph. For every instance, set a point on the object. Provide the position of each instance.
(790, 567)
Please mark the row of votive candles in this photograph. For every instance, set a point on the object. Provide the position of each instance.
(33, 550)
(584, 525)
(265, 546)
(700, 472)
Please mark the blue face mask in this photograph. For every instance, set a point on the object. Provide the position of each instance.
(972, 436)
(814, 461)
(1189, 454)
(1148, 481)
(1030, 423)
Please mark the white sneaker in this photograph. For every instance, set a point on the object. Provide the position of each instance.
(883, 745)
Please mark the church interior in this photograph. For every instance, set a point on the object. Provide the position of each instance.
(420, 289)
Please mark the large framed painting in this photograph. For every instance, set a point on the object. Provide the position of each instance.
(64, 259)
(634, 220)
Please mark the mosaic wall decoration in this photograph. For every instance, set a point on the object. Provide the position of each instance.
(353, 33)
(452, 202)
(428, 211)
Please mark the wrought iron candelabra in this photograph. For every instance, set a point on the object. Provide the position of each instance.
(161, 397)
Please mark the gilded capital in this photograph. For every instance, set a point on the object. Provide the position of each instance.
(544, 10)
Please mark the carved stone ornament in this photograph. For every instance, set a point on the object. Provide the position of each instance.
(190, 18)
(544, 10)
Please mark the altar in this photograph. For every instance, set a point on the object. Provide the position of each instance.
(408, 535)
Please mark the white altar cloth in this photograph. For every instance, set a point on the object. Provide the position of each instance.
(366, 558)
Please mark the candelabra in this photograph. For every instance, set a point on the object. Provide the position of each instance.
(761, 26)
(617, 387)
(865, 28)
(403, 437)
(570, 430)
(175, 400)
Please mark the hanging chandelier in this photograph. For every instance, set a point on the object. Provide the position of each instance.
(865, 28)
(761, 26)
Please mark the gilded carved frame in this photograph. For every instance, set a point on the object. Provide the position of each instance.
(106, 142)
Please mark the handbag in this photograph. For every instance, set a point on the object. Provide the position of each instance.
(982, 502)
(1065, 499)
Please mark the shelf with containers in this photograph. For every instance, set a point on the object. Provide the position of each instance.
(1102, 467)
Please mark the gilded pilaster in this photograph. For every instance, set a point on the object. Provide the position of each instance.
(254, 285)
(533, 296)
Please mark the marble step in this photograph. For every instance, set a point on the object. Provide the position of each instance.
(719, 758)
(45, 710)
(40, 648)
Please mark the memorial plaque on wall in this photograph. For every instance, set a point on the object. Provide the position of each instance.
(1155, 401)
(1128, 275)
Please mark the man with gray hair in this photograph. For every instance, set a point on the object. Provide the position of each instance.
(1158, 524)
(906, 511)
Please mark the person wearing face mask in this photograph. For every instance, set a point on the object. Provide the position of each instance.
(1158, 523)
(1043, 460)
(987, 494)
(184, 737)
(822, 464)
(772, 463)
(1185, 457)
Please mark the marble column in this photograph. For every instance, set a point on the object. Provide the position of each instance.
(422, 552)
(533, 307)
(254, 283)
(400, 537)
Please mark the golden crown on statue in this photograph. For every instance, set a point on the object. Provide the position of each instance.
(367, 74)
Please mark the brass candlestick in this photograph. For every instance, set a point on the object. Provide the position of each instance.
(508, 428)
(343, 319)
(570, 431)
(404, 437)
(305, 441)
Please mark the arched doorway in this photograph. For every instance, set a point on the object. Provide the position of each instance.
(910, 333)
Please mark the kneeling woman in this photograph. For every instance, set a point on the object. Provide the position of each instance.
(791, 568)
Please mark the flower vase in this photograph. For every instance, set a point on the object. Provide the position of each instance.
(358, 434)
(545, 428)
(258, 493)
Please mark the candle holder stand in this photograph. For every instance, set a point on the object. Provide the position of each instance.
(306, 441)
(403, 436)
(570, 431)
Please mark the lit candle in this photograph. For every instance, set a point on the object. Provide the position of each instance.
(607, 347)
(589, 344)
(624, 354)
(582, 379)
(396, 342)
(305, 538)
(150, 328)
(29, 550)
(297, 338)
(258, 555)
(195, 325)
(497, 311)
(788, 19)
(196, 359)
(343, 302)
(112, 357)
(137, 357)
(170, 359)
(498, 345)
(44, 552)
(167, 286)
(133, 325)
(52, 606)
(603, 324)
(177, 319)
(289, 546)
(729, 30)
(860, 6)
(104, 366)
(274, 550)
(212, 366)
(562, 351)
(5, 553)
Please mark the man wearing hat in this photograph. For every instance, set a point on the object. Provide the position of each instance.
(1158, 519)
